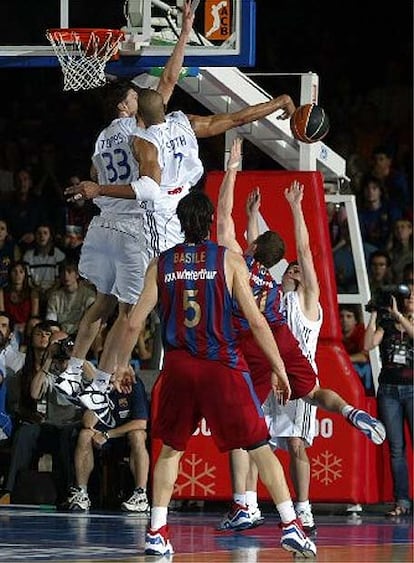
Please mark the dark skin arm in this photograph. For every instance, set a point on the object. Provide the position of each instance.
(146, 155)
(174, 64)
(211, 125)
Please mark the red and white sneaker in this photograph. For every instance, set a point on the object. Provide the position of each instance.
(157, 542)
(294, 540)
(238, 518)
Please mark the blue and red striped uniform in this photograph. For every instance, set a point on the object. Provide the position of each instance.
(204, 373)
(195, 305)
(267, 293)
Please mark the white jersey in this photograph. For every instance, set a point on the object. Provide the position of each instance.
(305, 331)
(181, 168)
(115, 164)
(297, 418)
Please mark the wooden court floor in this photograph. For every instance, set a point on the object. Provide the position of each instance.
(40, 534)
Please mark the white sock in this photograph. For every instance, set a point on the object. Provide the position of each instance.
(101, 380)
(75, 366)
(158, 517)
(251, 500)
(346, 410)
(240, 499)
(286, 511)
(302, 506)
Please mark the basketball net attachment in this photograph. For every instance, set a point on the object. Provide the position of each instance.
(83, 54)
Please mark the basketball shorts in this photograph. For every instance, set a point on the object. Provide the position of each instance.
(114, 256)
(302, 377)
(191, 389)
(162, 231)
(296, 419)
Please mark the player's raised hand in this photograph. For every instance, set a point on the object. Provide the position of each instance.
(188, 16)
(294, 194)
(235, 154)
(253, 201)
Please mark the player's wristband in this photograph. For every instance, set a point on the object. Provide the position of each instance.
(234, 166)
(146, 188)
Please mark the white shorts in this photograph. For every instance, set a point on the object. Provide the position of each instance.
(114, 256)
(162, 231)
(296, 419)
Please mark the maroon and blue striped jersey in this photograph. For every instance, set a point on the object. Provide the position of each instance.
(267, 293)
(195, 305)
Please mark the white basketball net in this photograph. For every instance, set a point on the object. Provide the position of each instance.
(83, 64)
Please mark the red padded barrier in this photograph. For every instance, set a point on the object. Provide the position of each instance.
(345, 466)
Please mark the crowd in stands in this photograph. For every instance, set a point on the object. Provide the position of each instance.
(384, 200)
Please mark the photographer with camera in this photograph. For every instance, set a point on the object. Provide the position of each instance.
(46, 422)
(391, 327)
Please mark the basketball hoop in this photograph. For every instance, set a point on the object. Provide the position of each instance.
(83, 54)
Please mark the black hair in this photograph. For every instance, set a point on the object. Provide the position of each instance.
(11, 321)
(352, 308)
(370, 178)
(151, 107)
(293, 263)
(380, 254)
(384, 149)
(68, 264)
(114, 94)
(195, 213)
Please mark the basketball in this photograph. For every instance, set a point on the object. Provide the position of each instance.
(309, 123)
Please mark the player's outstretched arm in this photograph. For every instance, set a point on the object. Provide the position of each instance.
(211, 125)
(147, 187)
(226, 232)
(171, 72)
(294, 195)
(252, 211)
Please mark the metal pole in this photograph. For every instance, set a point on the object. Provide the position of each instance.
(64, 14)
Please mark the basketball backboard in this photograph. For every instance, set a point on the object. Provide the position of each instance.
(224, 31)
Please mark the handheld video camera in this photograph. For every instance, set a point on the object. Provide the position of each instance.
(381, 300)
(63, 348)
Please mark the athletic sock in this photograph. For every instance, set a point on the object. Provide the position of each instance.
(75, 365)
(346, 410)
(286, 511)
(251, 500)
(302, 506)
(101, 380)
(240, 499)
(158, 517)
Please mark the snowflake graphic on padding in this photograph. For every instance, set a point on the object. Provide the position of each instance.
(327, 467)
(196, 477)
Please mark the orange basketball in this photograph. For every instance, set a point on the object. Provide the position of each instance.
(309, 123)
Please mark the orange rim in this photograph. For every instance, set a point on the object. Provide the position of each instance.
(83, 34)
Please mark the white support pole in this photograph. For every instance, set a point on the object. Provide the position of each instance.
(64, 14)
(363, 294)
(138, 30)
